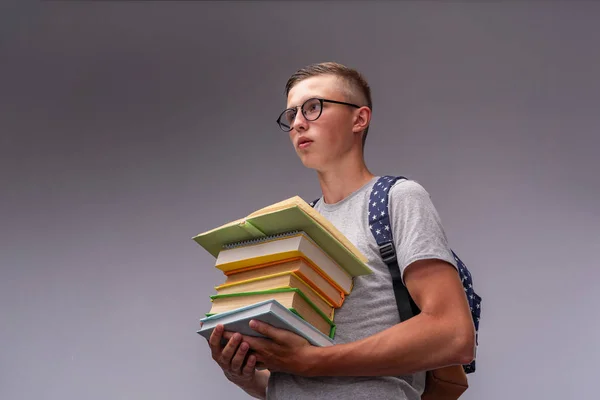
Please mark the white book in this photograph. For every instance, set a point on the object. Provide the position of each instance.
(275, 248)
(268, 311)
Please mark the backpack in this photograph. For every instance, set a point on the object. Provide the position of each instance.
(447, 383)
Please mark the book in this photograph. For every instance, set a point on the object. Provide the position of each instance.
(279, 247)
(280, 280)
(270, 312)
(288, 215)
(291, 298)
(298, 266)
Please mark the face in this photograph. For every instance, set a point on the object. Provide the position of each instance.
(335, 134)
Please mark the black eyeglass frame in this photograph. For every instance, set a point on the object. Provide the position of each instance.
(321, 100)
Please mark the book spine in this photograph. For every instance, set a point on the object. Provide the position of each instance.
(252, 230)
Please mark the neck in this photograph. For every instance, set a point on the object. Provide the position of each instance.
(340, 180)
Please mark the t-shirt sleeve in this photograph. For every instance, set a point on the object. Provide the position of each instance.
(416, 226)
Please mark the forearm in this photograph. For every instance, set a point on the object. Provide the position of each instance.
(258, 387)
(422, 343)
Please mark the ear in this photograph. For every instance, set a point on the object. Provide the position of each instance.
(362, 118)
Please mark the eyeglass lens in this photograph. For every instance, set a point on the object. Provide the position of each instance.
(311, 109)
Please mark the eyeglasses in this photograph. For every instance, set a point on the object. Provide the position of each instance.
(311, 109)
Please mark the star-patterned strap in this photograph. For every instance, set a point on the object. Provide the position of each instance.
(380, 226)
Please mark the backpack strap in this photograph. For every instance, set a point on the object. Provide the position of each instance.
(381, 228)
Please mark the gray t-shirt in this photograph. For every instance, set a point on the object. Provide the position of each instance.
(371, 306)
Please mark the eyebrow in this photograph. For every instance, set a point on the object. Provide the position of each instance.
(312, 96)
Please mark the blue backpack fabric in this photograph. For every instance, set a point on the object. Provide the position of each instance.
(379, 223)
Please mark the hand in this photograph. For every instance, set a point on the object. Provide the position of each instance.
(283, 351)
(231, 357)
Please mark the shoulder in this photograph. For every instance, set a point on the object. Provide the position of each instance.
(410, 198)
(408, 190)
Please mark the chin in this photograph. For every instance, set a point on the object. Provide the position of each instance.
(311, 162)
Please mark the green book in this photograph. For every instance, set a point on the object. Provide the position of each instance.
(289, 215)
(285, 296)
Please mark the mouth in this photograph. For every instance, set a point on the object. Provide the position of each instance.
(304, 143)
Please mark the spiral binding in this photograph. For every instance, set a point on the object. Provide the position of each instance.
(258, 240)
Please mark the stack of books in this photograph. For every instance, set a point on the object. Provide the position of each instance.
(285, 265)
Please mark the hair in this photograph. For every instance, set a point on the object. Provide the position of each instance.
(357, 88)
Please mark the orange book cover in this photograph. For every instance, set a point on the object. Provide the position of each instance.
(333, 294)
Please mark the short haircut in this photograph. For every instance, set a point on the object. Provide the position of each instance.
(358, 89)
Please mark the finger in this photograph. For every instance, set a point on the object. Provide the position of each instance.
(230, 349)
(248, 369)
(214, 341)
(261, 365)
(255, 343)
(278, 335)
(238, 359)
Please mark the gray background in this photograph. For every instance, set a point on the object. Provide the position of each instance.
(129, 127)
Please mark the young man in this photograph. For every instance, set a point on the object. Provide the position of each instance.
(375, 356)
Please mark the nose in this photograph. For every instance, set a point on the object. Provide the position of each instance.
(299, 123)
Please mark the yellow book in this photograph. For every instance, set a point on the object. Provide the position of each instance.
(300, 267)
(279, 280)
(283, 247)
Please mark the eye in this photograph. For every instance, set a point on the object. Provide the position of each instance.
(312, 106)
(290, 116)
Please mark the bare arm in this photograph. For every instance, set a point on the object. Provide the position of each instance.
(442, 334)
